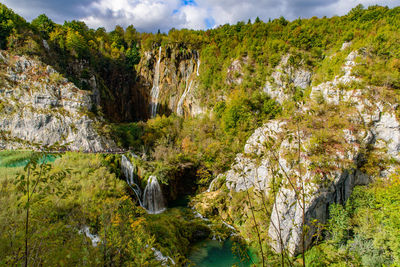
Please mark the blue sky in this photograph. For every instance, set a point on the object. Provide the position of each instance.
(151, 15)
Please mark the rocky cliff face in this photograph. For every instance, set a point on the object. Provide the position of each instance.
(285, 78)
(341, 126)
(39, 106)
(177, 71)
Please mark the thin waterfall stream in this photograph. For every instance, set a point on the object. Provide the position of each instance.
(198, 67)
(179, 109)
(155, 90)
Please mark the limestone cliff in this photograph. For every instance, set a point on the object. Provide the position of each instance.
(344, 125)
(174, 71)
(285, 78)
(40, 107)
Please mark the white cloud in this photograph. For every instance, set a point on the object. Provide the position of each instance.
(143, 14)
(151, 15)
(194, 17)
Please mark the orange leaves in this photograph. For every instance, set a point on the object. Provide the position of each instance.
(187, 145)
(136, 223)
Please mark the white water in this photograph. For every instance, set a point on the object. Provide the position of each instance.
(129, 171)
(211, 187)
(161, 258)
(229, 226)
(94, 238)
(198, 67)
(179, 109)
(155, 90)
(153, 199)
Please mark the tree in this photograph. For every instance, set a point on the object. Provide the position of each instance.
(37, 181)
(9, 21)
(132, 57)
(76, 44)
(44, 25)
(131, 36)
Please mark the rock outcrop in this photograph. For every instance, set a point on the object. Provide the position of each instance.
(178, 71)
(40, 107)
(331, 156)
(285, 76)
(235, 71)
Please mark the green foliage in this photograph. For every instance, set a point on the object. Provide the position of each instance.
(245, 111)
(9, 23)
(132, 57)
(365, 231)
(338, 224)
(10, 158)
(44, 25)
(91, 196)
(76, 43)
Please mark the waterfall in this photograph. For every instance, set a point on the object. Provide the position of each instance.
(179, 109)
(211, 187)
(198, 66)
(153, 199)
(155, 91)
(129, 172)
(94, 238)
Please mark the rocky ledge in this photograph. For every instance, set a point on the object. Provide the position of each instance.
(40, 107)
(343, 126)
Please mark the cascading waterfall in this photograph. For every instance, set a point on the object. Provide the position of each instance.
(129, 172)
(198, 67)
(153, 199)
(179, 109)
(155, 90)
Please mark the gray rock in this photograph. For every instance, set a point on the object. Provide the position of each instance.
(284, 75)
(379, 128)
(41, 113)
(286, 225)
(345, 45)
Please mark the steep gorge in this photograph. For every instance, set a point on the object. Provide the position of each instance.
(311, 118)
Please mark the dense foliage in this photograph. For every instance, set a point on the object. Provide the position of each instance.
(365, 231)
(193, 151)
(89, 196)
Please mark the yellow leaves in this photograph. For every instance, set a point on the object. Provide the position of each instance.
(123, 198)
(116, 220)
(136, 223)
(187, 145)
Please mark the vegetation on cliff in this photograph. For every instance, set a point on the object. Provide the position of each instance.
(237, 63)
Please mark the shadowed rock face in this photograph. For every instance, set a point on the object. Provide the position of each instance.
(373, 124)
(175, 72)
(42, 107)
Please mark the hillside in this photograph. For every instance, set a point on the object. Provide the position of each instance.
(285, 133)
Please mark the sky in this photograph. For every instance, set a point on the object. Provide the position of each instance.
(154, 15)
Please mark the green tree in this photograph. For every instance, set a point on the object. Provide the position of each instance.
(132, 57)
(44, 25)
(35, 183)
(9, 21)
(76, 44)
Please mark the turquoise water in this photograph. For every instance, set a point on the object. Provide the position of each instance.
(211, 253)
(23, 161)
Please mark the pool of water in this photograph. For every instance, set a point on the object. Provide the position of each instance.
(23, 161)
(211, 253)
